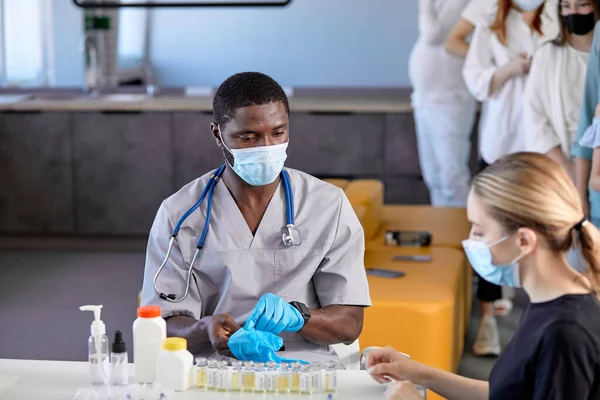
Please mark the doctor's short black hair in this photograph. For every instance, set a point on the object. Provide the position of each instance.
(243, 90)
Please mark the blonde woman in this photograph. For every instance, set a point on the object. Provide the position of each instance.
(525, 214)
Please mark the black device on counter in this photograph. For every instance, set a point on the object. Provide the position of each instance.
(385, 273)
(408, 238)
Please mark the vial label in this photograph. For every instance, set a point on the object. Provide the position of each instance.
(259, 382)
(316, 381)
(223, 380)
(305, 380)
(213, 379)
(271, 381)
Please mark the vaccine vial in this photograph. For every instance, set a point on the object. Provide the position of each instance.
(200, 372)
(305, 379)
(260, 385)
(224, 380)
(212, 374)
(248, 377)
(271, 377)
(284, 378)
(237, 375)
(316, 377)
(330, 377)
(295, 377)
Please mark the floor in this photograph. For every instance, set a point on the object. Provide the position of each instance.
(41, 291)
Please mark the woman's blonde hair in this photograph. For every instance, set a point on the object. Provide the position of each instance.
(531, 190)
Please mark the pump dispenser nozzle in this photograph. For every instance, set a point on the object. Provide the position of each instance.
(98, 327)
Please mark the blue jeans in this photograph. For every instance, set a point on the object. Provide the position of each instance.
(444, 145)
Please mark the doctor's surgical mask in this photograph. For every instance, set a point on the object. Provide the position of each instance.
(480, 256)
(528, 5)
(257, 166)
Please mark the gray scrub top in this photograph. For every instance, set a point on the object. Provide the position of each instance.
(236, 268)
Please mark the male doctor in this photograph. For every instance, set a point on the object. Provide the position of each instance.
(312, 295)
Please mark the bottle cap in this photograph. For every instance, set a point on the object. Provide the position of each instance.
(118, 345)
(174, 344)
(97, 328)
(148, 311)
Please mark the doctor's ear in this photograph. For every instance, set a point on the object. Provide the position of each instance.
(527, 240)
(214, 128)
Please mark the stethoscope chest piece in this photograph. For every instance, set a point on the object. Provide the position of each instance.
(292, 237)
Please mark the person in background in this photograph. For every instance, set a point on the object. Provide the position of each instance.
(444, 110)
(582, 154)
(475, 12)
(554, 90)
(525, 214)
(495, 72)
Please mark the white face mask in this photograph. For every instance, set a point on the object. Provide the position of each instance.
(528, 5)
(258, 166)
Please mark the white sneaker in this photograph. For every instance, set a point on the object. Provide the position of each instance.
(503, 307)
(488, 338)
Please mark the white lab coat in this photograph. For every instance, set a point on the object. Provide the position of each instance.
(501, 130)
(553, 98)
(236, 268)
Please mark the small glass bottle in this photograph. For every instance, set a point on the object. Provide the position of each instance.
(316, 377)
(295, 377)
(200, 372)
(237, 375)
(212, 375)
(259, 378)
(248, 377)
(224, 380)
(283, 378)
(271, 377)
(305, 379)
(330, 376)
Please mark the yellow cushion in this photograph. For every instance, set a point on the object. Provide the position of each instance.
(361, 213)
(368, 193)
(421, 313)
(341, 183)
(448, 227)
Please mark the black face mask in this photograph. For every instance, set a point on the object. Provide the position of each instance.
(579, 24)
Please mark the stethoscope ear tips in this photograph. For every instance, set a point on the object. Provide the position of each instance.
(167, 297)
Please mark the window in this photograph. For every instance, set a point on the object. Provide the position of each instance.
(25, 42)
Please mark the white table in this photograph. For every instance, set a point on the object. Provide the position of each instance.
(60, 380)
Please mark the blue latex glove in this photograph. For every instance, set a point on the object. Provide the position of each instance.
(257, 346)
(274, 315)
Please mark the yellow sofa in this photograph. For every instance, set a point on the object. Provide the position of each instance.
(368, 194)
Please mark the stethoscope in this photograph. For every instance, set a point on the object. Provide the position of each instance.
(290, 237)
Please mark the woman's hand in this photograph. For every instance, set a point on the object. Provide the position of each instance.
(404, 390)
(519, 66)
(388, 364)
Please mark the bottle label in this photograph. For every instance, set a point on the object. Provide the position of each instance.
(305, 380)
(259, 382)
(271, 381)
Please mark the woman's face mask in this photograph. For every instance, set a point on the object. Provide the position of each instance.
(480, 256)
(528, 5)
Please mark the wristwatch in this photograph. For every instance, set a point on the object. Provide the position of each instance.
(303, 310)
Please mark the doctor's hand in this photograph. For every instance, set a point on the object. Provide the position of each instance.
(388, 364)
(403, 390)
(274, 315)
(220, 327)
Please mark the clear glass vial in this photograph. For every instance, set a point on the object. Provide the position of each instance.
(271, 377)
(284, 378)
(200, 372)
(212, 374)
(248, 377)
(295, 377)
(305, 379)
(237, 375)
(224, 380)
(316, 377)
(330, 376)
(260, 385)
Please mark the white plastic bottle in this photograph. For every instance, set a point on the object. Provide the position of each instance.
(149, 331)
(175, 365)
(98, 349)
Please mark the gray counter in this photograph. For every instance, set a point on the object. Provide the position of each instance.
(103, 168)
